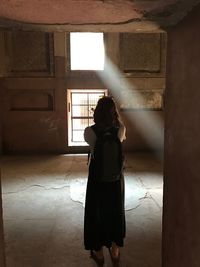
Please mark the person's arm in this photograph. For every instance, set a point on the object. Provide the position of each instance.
(122, 132)
(90, 137)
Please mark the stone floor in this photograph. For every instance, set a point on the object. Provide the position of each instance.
(43, 204)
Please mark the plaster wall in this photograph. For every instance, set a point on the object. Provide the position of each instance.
(36, 79)
(181, 232)
(33, 95)
(2, 247)
(138, 140)
(1, 116)
(2, 64)
(2, 73)
(1, 149)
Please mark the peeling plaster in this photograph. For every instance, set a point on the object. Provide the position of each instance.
(130, 14)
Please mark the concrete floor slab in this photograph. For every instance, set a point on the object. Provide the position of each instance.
(43, 211)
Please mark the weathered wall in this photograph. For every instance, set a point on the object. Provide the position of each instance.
(34, 95)
(1, 150)
(36, 80)
(181, 236)
(2, 246)
(104, 16)
(142, 138)
(2, 73)
(140, 84)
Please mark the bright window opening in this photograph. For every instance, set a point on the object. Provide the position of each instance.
(86, 51)
(81, 104)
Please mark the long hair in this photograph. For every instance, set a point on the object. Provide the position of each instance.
(105, 113)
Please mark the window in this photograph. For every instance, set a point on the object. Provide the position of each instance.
(86, 51)
(81, 104)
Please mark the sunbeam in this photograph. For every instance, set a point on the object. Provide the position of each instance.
(150, 125)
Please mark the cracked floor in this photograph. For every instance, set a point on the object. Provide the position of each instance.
(43, 206)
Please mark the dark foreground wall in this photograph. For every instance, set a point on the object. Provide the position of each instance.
(2, 251)
(181, 231)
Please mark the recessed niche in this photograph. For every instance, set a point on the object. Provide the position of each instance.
(31, 101)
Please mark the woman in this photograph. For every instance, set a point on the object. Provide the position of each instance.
(104, 222)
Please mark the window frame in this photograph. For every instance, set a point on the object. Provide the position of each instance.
(70, 117)
(68, 57)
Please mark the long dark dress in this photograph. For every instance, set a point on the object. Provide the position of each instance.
(104, 220)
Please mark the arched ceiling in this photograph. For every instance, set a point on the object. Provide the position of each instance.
(60, 14)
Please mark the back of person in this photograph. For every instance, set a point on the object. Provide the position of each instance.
(107, 156)
(104, 220)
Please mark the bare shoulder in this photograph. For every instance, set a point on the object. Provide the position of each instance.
(88, 129)
(89, 135)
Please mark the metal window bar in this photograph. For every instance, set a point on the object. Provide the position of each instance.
(85, 119)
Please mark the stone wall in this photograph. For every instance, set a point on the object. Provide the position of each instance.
(181, 220)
